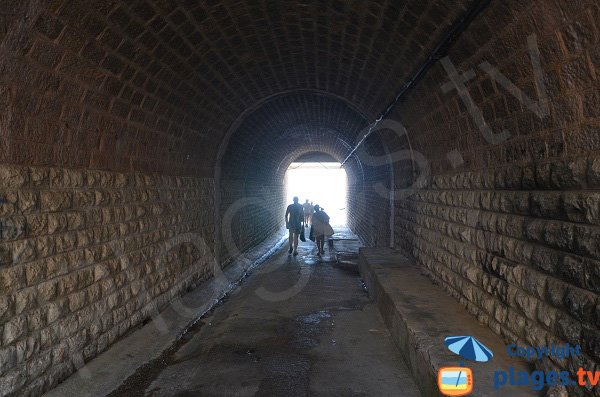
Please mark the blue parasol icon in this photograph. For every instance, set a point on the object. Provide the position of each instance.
(468, 347)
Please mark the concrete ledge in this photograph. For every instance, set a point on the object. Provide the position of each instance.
(109, 370)
(420, 315)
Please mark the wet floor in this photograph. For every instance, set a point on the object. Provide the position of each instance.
(298, 326)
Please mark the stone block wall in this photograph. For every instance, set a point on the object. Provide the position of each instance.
(85, 256)
(368, 214)
(250, 212)
(512, 228)
(369, 184)
(518, 248)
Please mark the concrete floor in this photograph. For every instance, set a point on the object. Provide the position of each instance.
(299, 326)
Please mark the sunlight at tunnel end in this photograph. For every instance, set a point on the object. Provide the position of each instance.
(322, 183)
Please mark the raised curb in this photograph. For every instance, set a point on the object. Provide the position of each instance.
(109, 370)
(419, 315)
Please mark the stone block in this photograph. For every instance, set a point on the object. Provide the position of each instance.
(24, 300)
(116, 197)
(54, 311)
(591, 342)
(93, 217)
(514, 227)
(83, 199)
(122, 180)
(67, 284)
(520, 253)
(12, 381)
(546, 316)
(100, 179)
(76, 260)
(85, 238)
(527, 304)
(45, 246)
(67, 327)
(77, 300)
(66, 242)
(521, 202)
(560, 235)
(22, 350)
(587, 241)
(85, 277)
(75, 220)
(13, 228)
(8, 358)
(12, 177)
(54, 201)
(593, 175)
(47, 291)
(94, 293)
(573, 269)
(39, 177)
(24, 251)
(546, 259)
(28, 201)
(8, 203)
(66, 178)
(534, 230)
(592, 272)
(555, 291)
(528, 179)
(567, 328)
(14, 329)
(581, 304)
(546, 205)
(569, 174)
(37, 224)
(101, 198)
(533, 282)
(36, 320)
(7, 309)
(542, 176)
(582, 206)
(6, 256)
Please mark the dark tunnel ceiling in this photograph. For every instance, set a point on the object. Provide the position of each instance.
(315, 157)
(223, 57)
(289, 126)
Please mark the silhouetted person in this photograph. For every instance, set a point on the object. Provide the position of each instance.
(308, 211)
(294, 218)
(320, 228)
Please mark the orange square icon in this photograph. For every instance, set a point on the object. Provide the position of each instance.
(455, 381)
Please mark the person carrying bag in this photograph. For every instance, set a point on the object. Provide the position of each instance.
(320, 228)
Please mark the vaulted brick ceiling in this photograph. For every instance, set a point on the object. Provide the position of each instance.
(284, 128)
(175, 75)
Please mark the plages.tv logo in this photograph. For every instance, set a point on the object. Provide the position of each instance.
(458, 381)
(455, 381)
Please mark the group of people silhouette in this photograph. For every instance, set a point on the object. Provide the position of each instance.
(299, 216)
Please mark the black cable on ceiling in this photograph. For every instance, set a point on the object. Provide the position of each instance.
(440, 51)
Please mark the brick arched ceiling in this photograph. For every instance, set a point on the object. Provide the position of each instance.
(165, 79)
(285, 127)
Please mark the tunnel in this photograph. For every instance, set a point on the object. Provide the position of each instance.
(143, 153)
(278, 132)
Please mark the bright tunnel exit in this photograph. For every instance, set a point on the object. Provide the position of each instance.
(323, 183)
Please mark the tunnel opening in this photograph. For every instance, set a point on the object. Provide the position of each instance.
(319, 182)
(298, 127)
